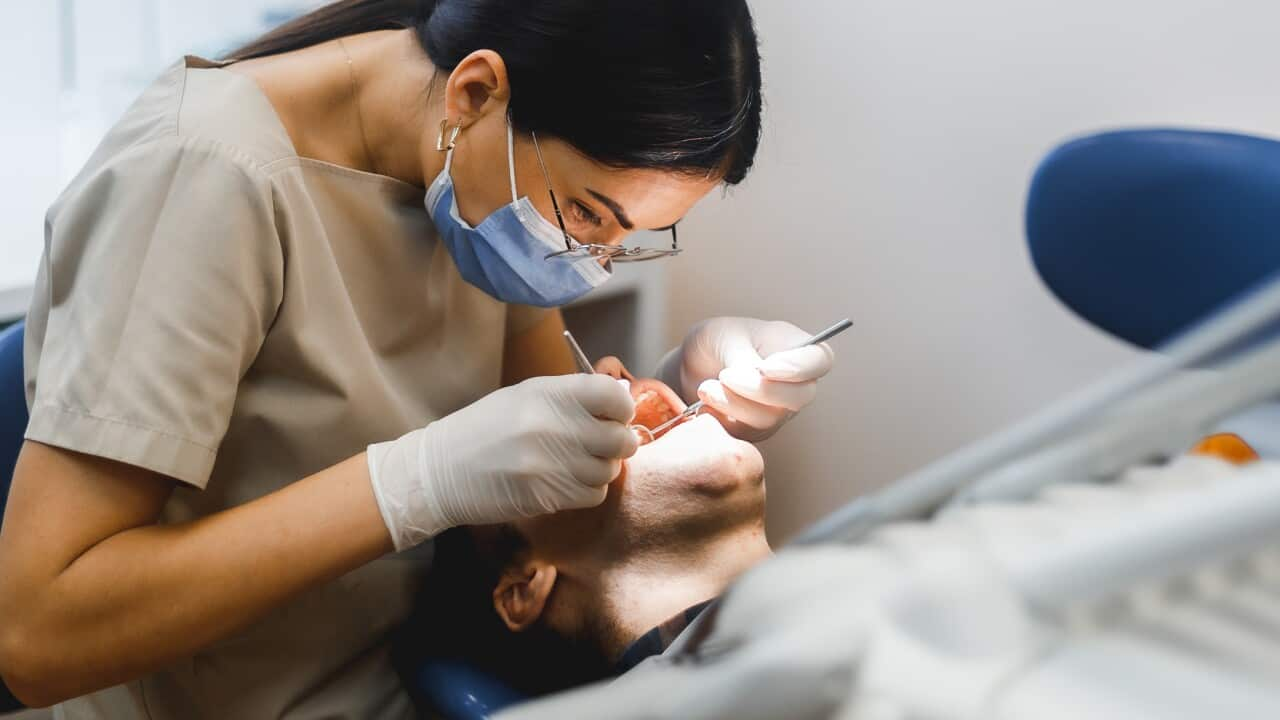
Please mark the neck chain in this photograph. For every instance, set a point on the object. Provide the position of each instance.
(355, 99)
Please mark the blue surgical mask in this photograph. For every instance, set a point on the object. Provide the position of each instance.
(505, 255)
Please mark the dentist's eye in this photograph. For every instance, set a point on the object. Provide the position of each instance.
(581, 213)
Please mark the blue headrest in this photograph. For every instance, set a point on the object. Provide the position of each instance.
(458, 691)
(1145, 232)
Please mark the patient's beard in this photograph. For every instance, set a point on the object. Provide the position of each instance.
(685, 519)
(653, 585)
(693, 485)
(689, 519)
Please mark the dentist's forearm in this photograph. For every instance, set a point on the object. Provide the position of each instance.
(148, 596)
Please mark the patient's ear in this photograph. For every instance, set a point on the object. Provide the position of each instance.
(522, 592)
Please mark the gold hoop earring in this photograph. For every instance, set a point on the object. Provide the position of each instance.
(453, 136)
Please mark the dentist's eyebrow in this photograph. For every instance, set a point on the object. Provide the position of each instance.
(614, 208)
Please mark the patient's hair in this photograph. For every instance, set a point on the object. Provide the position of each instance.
(454, 619)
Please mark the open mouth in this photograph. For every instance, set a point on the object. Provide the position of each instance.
(655, 404)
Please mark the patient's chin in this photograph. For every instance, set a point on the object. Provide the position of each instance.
(700, 456)
(695, 455)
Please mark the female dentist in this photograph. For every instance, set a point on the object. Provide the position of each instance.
(243, 290)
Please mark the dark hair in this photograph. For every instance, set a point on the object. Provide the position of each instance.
(454, 619)
(671, 84)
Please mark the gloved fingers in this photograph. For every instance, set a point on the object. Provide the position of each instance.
(774, 336)
(746, 411)
(605, 398)
(750, 384)
(736, 345)
(802, 364)
(593, 473)
(608, 440)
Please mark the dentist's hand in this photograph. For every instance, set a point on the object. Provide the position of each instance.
(547, 444)
(747, 373)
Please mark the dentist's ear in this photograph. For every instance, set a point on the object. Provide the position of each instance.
(521, 593)
(476, 86)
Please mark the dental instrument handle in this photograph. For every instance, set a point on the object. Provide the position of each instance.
(584, 365)
(827, 334)
(820, 337)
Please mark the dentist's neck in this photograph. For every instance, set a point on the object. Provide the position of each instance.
(400, 101)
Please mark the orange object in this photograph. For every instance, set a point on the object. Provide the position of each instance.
(1228, 446)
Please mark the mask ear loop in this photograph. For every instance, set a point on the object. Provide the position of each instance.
(511, 160)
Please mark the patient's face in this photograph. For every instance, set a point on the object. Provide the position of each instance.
(690, 483)
(683, 519)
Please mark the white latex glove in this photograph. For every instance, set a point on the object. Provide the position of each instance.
(547, 444)
(746, 373)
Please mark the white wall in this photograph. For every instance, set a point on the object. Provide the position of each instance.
(59, 101)
(899, 141)
(28, 135)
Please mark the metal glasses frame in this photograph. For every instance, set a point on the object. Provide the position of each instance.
(615, 253)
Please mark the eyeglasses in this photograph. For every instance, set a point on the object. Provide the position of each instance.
(615, 253)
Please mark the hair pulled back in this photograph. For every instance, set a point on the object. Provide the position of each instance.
(653, 84)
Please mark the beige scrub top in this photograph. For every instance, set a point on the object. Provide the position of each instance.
(215, 308)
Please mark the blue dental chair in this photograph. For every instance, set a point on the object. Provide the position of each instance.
(13, 404)
(1142, 233)
(13, 423)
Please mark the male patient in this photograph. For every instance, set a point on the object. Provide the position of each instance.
(564, 599)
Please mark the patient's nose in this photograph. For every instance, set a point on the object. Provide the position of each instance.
(613, 367)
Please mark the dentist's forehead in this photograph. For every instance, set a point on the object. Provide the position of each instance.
(647, 199)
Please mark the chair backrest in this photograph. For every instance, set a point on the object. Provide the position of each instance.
(1144, 233)
(13, 406)
(13, 425)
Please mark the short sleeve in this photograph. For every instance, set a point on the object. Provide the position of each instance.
(522, 318)
(161, 276)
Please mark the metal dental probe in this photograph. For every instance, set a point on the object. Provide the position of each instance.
(823, 336)
(584, 365)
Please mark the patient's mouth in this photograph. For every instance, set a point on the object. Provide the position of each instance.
(655, 404)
